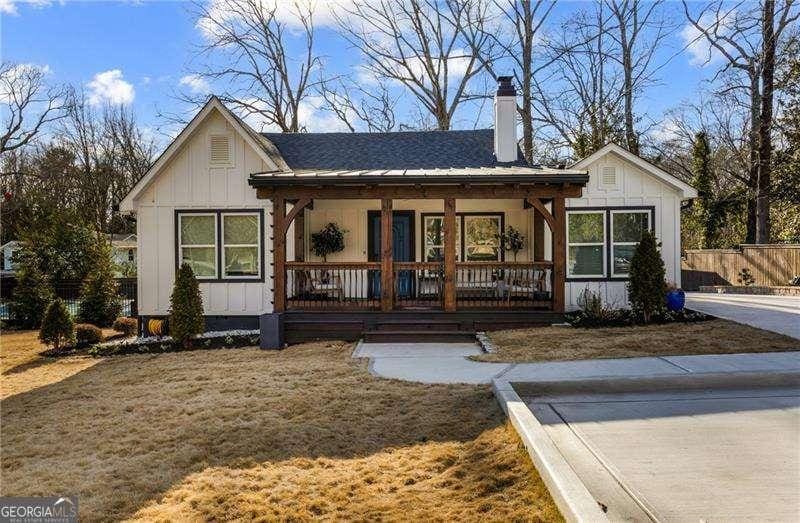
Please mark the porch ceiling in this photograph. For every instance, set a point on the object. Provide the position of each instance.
(453, 176)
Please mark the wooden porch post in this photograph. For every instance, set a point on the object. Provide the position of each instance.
(559, 252)
(449, 254)
(387, 256)
(279, 254)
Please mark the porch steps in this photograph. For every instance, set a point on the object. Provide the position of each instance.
(418, 336)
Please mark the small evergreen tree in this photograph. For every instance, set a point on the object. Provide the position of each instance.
(186, 307)
(57, 327)
(32, 293)
(100, 303)
(647, 285)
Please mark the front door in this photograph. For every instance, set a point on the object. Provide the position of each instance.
(402, 247)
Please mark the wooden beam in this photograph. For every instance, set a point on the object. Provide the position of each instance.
(375, 192)
(297, 209)
(559, 253)
(537, 204)
(387, 256)
(278, 254)
(449, 254)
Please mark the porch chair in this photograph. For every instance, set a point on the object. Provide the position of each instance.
(522, 284)
(317, 284)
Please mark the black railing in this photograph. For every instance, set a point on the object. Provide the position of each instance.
(494, 285)
(418, 285)
(333, 286)
(69, 292)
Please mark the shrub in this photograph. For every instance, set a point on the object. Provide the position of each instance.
(31, 295)
(594, 313)
(57, 326)
(127, 326)
(647, 286)
(186, 307)
(746, 277)
(327, 241)
(86, 333)
(100, 303)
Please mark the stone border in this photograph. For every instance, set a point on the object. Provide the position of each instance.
(570, 494)
(784, 290)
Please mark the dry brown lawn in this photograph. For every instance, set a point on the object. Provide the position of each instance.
(247, 434)
(566, 343)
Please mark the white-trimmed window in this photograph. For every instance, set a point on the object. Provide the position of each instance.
(241, 245)
(197, 243)
(482, 238)
(586, 244)
(627, 227)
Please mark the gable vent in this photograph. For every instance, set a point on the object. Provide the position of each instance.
(608, 176)
(220, 153)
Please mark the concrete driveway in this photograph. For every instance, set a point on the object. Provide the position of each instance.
(774, 313)
(699, 454)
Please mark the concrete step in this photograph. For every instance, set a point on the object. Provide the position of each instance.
(416, 325)
(418, 336)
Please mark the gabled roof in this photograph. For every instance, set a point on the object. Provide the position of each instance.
(388, 151)
(260, 145)
(686, 190)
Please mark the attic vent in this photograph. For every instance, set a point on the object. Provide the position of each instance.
(220, 149)
(608, 176)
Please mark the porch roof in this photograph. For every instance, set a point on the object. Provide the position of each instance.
(448, 176)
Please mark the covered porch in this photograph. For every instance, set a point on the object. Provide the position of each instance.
(422, 240)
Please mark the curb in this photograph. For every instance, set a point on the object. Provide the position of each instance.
(570, 494)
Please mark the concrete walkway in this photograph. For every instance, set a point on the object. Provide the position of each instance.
(448, 363)
(774, 313)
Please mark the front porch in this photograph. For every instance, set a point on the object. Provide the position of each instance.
(454, 271)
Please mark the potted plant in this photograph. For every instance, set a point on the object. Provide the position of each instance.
(512, 240)
(327, 241)
(676, 298)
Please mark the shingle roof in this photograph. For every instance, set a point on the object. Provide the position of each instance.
(387, 151)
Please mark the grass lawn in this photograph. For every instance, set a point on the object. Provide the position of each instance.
(566, 343)
(249, 434)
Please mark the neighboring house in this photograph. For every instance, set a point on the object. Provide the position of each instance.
(123, 254)
(241, 207)
(7, 251)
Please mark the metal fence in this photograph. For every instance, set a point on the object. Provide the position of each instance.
(70, 292)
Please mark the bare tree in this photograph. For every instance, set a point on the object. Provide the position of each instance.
(372, 107)
(736, 32)
(30, 104)
(250, 43)
(416, 43)
(639, 33)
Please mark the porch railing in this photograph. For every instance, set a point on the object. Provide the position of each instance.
(513, 285)
(418, 285)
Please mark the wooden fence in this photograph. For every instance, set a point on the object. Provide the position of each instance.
(770, 265)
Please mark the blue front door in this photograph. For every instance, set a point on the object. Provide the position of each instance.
(402, 250)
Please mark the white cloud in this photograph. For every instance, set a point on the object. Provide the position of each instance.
(324, 12)
(310, 116)
(14, 74)
(9, 7)
(701, 52)
(110, 87)
(196, 84)
(146, 80)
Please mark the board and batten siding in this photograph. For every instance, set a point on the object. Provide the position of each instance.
(188, 181)
(634, 188)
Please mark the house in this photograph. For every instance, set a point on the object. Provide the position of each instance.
(123, 254)
(241, 208)
(7, 251)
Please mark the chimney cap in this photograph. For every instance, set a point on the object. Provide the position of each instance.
(505, 87)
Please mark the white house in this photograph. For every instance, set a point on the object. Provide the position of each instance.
(243, 209)
(123, 253)
(7, 251)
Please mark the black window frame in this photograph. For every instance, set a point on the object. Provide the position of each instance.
(462, 244)
(219, 212)
(607, 243)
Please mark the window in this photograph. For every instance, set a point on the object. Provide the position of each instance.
(601, 242)
(434, 238)
(197, 241)
(627, 228)
(221, 245)
(241, 239)
(586, 240)
(481, 238)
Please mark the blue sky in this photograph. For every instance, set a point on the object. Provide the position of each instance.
(136, 53)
